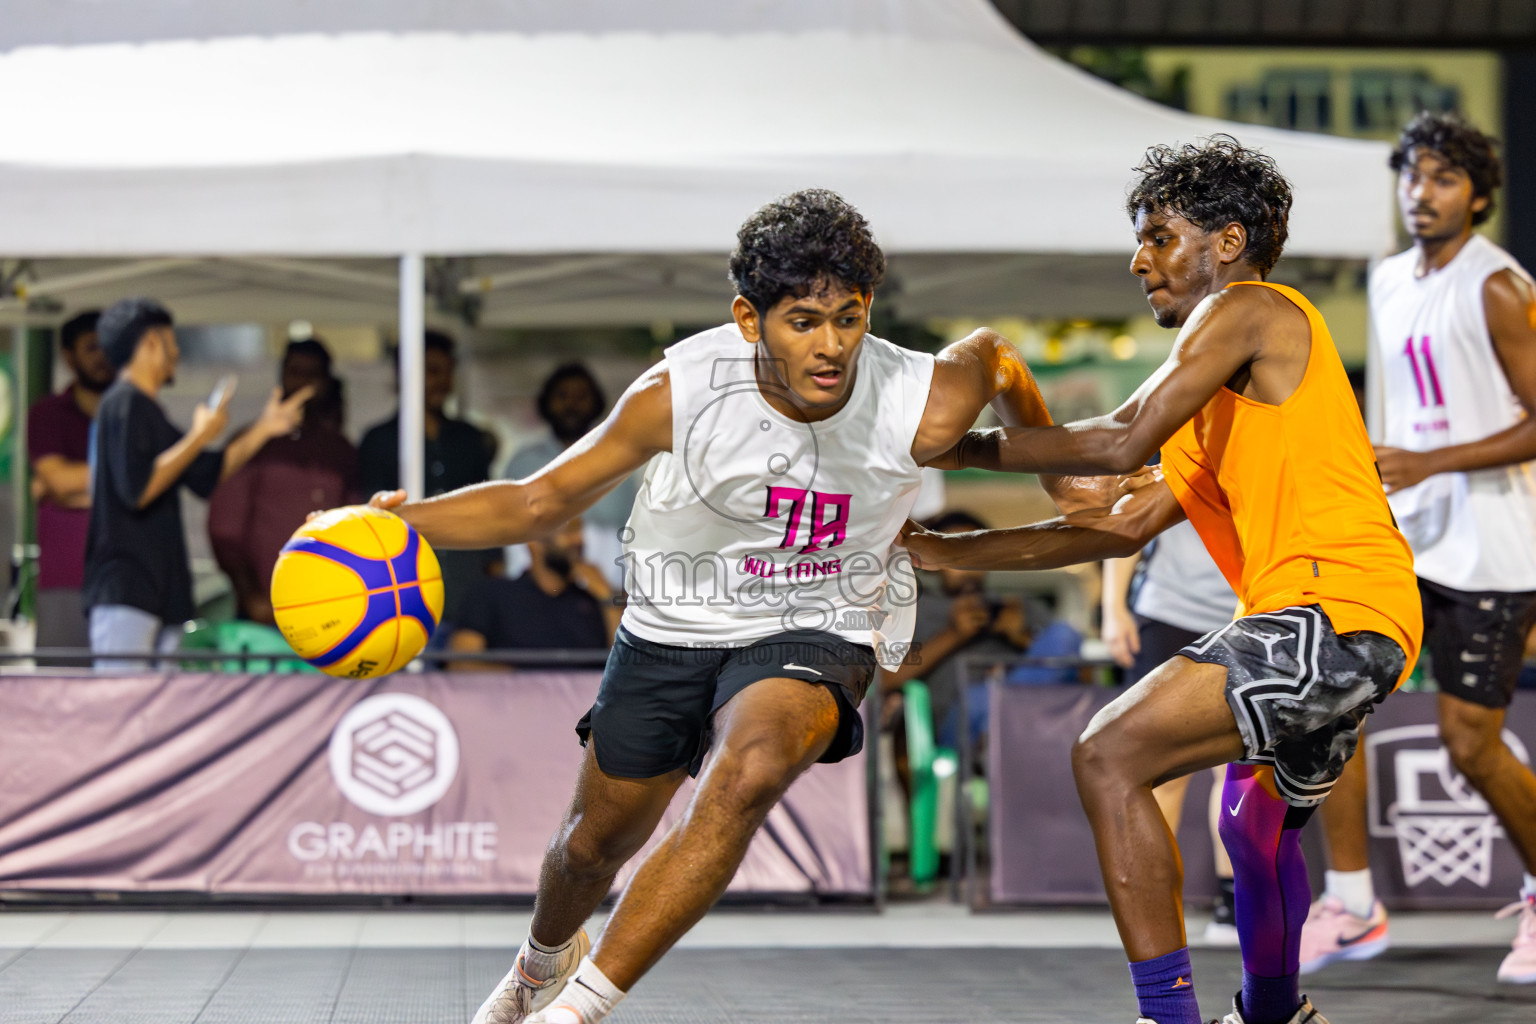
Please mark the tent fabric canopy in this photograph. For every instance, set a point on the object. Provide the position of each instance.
(362, 128)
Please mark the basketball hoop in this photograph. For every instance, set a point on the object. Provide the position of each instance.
(1446, 848)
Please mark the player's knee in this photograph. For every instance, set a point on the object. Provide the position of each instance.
(1236, 839)
(750, 777)
(586, 853)
(1098, 757)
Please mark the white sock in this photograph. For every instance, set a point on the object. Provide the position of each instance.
(1529, 891)
(1353, 889)
(543, 962)
(589, 994)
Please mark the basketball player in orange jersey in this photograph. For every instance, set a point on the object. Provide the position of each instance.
(1264, 451)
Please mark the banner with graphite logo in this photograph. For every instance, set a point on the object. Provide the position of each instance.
(434, 783)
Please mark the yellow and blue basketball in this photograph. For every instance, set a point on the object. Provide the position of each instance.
(357, 592)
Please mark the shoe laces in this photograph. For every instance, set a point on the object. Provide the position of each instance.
(1328, 906)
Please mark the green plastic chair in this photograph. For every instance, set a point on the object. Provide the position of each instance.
(240, 637)
(923, 850)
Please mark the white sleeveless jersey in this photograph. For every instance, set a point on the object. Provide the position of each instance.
(755, 524)
(1443, 385)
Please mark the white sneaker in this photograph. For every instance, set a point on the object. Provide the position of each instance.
(1519, 967)
(1306, 1013)
(517, 995)
(1332, 933)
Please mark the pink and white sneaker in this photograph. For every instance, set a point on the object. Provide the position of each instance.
(1332, 934)
(1519, 967)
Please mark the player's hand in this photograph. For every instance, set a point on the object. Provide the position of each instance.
(1400, 468)
(969, 615)
(922, 544)
(1146, 476)
(383, 499)
(1075, 493)
(282, 416)
(1121, 634)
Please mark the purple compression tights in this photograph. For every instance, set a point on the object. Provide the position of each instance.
(1262, 835)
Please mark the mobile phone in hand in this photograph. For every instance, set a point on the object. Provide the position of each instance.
(223, 387)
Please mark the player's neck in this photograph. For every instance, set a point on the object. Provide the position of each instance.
(1231, 273)
(1437, 253)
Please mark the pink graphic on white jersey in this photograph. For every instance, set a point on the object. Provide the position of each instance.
(796, 498)
(829, 516)
(1428, 371)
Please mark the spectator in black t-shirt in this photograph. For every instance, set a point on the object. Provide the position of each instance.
(562, 601)
(138, 584)
(458, 453)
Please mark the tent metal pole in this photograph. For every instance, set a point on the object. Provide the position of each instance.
(413, 297)
(19, 461)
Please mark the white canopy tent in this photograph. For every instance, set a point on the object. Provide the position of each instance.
(587, 152)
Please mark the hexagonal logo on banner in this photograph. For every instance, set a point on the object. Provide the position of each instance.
(394, 754)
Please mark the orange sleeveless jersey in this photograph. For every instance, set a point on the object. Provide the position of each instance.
(1288, 500)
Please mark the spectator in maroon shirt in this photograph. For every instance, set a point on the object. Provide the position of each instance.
(254, 512)
(58, 443)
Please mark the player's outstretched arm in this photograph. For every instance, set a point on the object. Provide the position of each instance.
(984, 369)
(515, 511)
(1146, 508)
(1509, 304)
(1224, 334)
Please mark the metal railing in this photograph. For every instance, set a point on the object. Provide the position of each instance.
(82, 657)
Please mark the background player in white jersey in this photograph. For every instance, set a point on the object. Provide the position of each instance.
(1454, 321)
(784, 450)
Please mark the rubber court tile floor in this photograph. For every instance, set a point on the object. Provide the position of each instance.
(43, 985)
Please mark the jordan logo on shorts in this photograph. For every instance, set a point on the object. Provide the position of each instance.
(1269, 640)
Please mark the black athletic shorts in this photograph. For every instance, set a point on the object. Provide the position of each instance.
(1299, 692)
(656, 704)
(1159, 642)
(1476, 640)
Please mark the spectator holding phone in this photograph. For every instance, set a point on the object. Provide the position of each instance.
(138, 582)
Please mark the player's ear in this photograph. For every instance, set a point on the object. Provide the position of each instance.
(1232, 242)
(1480, 203)
(869, 309)
(747, 320)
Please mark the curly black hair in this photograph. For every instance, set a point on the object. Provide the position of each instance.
(1215, 183)
(1462, 146)
(802, 243)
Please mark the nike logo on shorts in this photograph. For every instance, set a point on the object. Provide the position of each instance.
(1237, 806)
(791, 666)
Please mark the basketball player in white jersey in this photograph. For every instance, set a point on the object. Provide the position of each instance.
(783, 451)
(1454, 321)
